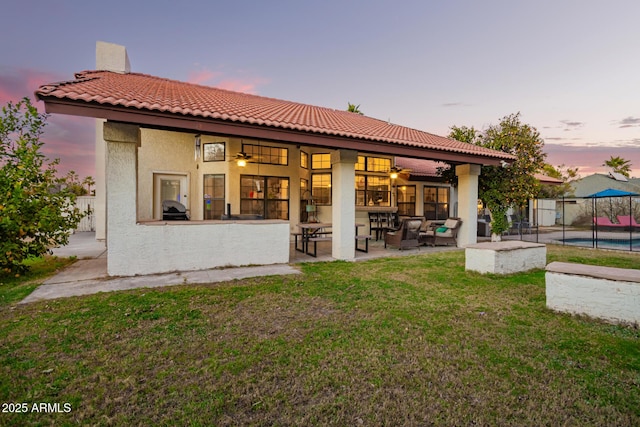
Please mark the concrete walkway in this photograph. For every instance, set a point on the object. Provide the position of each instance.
(88, 275)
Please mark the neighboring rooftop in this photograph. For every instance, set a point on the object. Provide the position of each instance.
(598, 182)
(420, 168)
(111, 95)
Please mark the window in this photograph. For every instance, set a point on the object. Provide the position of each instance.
(267, 155)
(321, 188)
(378, 164)
(406, 199)
(304, 160)
(214, 152)
(321, 161)
(436, 202)
(361, 163)
(213, 196)
(372, 190)
(305, 198)
(264, 195)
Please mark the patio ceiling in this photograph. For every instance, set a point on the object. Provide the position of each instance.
(160, 103)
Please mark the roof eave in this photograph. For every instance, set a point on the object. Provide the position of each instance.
(154, 119)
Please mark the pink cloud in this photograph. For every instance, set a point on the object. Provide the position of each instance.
(218, 79)
(589, 159)
(16, 83)
(72, 140)
(238, 85)
(201, 77)
(68, 138)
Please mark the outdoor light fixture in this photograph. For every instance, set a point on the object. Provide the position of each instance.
(198, 147)
(395, 171)
(241, 159)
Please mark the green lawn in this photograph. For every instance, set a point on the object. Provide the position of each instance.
(404, 341)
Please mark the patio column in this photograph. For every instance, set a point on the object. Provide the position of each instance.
(468, 203)
(122, 141)
(343, 210)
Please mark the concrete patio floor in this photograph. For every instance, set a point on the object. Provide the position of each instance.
(88, 275)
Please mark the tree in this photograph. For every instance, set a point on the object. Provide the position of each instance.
(510, 185)
(619, 165)
(74, 184)
(501, 187)
(462, 134)
(566, 174)
(33, 215)
(354, 108)
(89, 181)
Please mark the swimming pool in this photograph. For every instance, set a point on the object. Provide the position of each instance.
(619, 244)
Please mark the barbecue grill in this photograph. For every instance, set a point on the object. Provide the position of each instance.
(174, 211)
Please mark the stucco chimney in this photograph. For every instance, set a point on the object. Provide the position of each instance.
(112, 57)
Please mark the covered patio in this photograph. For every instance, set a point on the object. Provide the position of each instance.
(152, 131)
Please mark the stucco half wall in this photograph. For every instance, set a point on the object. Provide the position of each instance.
(161, 247)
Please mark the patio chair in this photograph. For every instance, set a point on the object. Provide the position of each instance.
(605, 223)
(375, 224)
(446, 233)
(514, 224)
(407, 236)
(628, 221)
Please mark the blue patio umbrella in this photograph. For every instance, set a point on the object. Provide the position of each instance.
(611, 192)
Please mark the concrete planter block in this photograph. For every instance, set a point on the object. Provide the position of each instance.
(505, 257)
(608, 293)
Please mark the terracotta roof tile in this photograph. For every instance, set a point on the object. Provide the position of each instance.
(145, 92)
(420, 167)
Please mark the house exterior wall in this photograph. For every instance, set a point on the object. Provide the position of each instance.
(165, 153)
(138, 243)
(138, 248)
(542, 212)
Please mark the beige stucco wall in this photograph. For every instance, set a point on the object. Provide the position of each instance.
(164, 152)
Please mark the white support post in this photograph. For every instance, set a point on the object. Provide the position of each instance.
(343, 204)
(468, 203)
(121, 162)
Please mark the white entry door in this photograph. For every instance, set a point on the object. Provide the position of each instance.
(169, 187)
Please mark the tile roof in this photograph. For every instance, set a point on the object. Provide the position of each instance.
(419, 167)
(546, 179)
(134, 91)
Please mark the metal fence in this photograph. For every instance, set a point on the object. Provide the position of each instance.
(594, 222)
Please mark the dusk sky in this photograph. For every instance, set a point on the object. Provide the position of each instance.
(571, 68)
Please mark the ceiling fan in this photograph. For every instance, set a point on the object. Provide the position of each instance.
(397, 170)
(241, 158)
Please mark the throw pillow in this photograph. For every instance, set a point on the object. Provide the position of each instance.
(441, 229)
